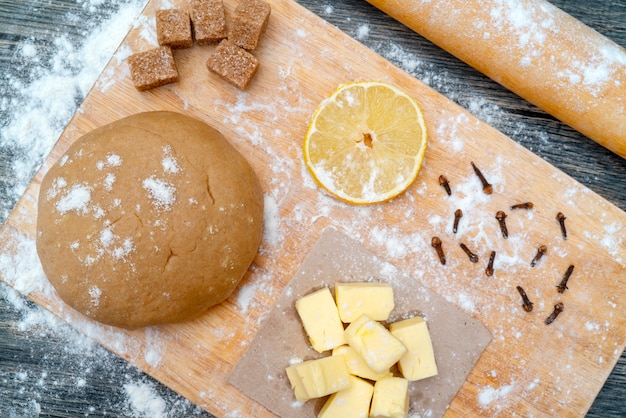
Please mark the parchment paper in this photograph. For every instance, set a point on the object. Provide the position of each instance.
(458, 339)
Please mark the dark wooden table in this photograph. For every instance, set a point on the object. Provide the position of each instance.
(47, 369)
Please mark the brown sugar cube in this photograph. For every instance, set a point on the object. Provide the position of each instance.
(174, 28)
(209, 21)
(153, 68)
(235, 64)
(249, 23)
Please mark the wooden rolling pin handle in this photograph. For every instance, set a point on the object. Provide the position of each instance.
(535, 50)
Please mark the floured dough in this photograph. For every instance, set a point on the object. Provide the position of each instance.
(149, 220)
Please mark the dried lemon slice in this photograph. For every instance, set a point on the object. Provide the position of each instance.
(366, 142)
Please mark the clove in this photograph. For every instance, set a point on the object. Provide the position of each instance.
(473, 257)
(436, 243)
(558, 308)
(443, 181)
(525, 205)
(501, 216)
(458, 214)
(526, 303)
(563, 285)
(487, 188)
(540, 252)
(489, 269)
(561, 218)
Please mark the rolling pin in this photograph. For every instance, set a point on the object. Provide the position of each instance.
(535, 50)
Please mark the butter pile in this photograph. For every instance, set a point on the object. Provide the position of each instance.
(358, 374)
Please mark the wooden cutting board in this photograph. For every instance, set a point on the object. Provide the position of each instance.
(528, 369)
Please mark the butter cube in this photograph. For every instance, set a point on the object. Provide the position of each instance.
(299, 390)
(320, 319)
(357, 366)
(419, 362)
(353, 402)
(374, 343)
(391, 398)
(317, 378)
(372, 299)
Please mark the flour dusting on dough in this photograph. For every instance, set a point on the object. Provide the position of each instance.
(169, 163)
(161, 193)
(95, 293)
(76, 199)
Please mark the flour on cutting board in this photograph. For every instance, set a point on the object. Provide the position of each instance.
(39, 99)
(23, 272)
(40, 107)
(489, 394)
(46, 119)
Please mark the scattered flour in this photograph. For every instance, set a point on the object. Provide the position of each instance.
(532, 385)
(466, 302)
(271, 220)
(592, 326)
(95, 293)
(76, 199)
(37, 100)
(114, 160)
(58, 184)
(245, 296)
(161, 193)
(30, 121)
(144, 401)
(362, 32)
(87, 360)
(24, 273)
(169, 163)
(155, 348)
(36, 123)
(489, 394)
(109, 181)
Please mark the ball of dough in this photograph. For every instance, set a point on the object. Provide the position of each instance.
(149, 220)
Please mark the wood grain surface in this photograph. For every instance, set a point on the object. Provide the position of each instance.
(568, 150)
